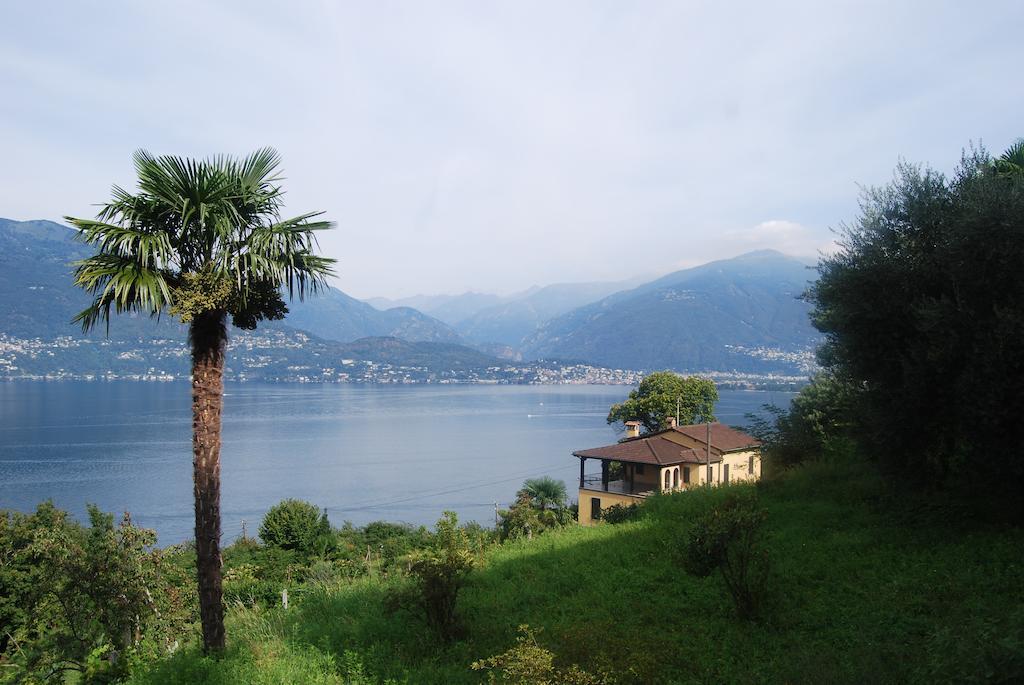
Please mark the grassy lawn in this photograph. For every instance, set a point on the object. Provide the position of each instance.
(866, 587)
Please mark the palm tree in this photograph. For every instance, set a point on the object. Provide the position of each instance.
(1011, 162)
(201, 239)
(544, 492)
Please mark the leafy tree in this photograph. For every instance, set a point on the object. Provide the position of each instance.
(817, 420)
(201, 240)
(294, 524)
(690, 399)
(76, 599)
(544, 493)
(923, 312)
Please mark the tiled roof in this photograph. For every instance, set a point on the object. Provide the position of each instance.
(655, 448)
(723, 437)
(650, 450)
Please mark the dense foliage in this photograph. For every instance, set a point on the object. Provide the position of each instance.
(295, 524)
(80, 599)
(690, 399)
(540, 505)
(923, 311)
(621, 513)
(816, 425)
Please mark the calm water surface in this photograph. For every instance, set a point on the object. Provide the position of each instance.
(363, 452)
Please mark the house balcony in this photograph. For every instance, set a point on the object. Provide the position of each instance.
(619, 487)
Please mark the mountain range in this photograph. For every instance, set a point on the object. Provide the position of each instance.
(38, 299)
(487, 319)
(742, 314)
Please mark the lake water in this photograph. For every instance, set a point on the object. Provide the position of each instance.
(398, 453)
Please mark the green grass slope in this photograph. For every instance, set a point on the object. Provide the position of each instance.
(865, 588)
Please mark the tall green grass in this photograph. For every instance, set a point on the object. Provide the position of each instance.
(865, 587)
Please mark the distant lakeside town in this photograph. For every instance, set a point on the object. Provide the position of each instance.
(278, 357)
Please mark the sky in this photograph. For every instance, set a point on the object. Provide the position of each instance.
(492, 146)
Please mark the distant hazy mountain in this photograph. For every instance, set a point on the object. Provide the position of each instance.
(38, 299)
(335, 316)
(447, 308)
(739, 314)
(494, 322)
(519, 316)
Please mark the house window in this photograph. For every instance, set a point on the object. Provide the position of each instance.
(686, 474)
(667, 480)
(725, 473)
(750, 464)
(675, 477)
(595, 508)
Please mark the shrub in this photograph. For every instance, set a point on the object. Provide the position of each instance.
(520, 520)
(621, 513)
(75, 598)
(439, 574)
(728, 538)
(524, 518)
(296, 525)
(527, 663)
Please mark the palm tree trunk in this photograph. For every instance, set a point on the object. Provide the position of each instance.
(208, 336)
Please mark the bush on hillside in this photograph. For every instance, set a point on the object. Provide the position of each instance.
(295, 525)
(540, 504)
(439, 573)
(621, 513)
(728, 538)
(79, 599)
(527, 663)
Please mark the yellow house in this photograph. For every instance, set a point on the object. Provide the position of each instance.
(672, 459)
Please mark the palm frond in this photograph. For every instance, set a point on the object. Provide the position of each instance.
(147, 246)
(1011, 162)
(119, 282)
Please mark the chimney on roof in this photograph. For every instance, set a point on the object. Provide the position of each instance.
(632, 429)
(670, 422)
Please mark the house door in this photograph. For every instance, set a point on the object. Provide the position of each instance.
(595, 508)
(725, 473)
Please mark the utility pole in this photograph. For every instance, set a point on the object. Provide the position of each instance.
(495, 515)
(245, 537)
(708, 459)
